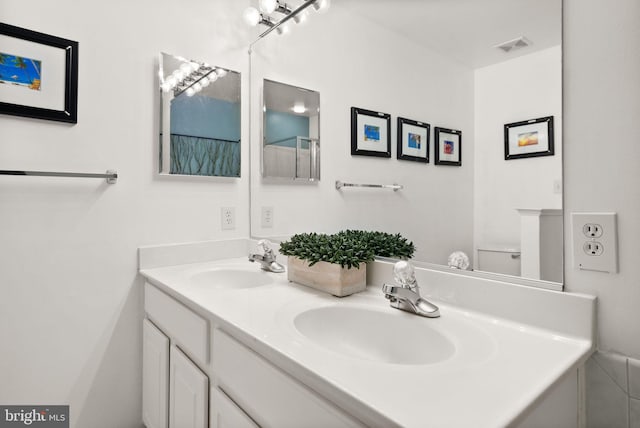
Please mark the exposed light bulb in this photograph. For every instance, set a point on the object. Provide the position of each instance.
(186, 67)
(179, 75)
(172, 81)
(284, 29)
(251, 16)
(299, 108)
(301, 17)
(213, 77)
(190, 92)
(197, 87)
(166, 87)
(205, 81)
(221, 72)
(268, 6)
(194, 66)
(321, 5)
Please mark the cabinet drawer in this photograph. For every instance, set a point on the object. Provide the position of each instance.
(268, 395)
(181, 324)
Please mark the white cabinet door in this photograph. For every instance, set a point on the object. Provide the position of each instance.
(155, 377)
(225, 413)
(188, 393)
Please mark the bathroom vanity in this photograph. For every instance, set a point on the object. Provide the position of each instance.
(229, 345)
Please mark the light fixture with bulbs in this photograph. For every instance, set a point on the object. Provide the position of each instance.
(191, 77)
(254, 17)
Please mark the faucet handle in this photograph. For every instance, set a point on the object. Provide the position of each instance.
(265, 244)
(404, 274)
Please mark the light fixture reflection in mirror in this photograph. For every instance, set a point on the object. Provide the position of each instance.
(291, 132)
(200, 118)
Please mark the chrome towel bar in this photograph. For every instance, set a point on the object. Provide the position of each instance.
(111, 176)
(395, 187)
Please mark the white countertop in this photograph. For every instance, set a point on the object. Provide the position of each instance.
(500, 366)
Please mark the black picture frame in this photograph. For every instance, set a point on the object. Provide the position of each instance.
(406, 147)
(447, 151)
(69, 113)
(529, 138)
(365, 138)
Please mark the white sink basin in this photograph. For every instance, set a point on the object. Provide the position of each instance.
(230, 278)
(395, 338)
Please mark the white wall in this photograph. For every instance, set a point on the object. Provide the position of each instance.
(601, 173)
(524, 88)
(70, 304)
(353, 62)
(602, 107)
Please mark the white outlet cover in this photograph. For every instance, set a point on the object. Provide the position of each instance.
(267, 217)
(607, 260)
(228, 218)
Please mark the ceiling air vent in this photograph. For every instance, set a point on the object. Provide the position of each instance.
(511, 45)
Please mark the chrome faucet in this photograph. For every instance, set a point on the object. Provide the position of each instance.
(267, 259)
(406, 296)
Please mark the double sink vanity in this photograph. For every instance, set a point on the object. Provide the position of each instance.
(227, 344)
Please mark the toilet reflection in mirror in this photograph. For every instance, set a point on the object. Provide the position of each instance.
(291, 132)
(199, 118)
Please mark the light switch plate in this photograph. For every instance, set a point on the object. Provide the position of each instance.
(595, 241)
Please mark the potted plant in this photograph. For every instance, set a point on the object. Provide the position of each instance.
(337, 263)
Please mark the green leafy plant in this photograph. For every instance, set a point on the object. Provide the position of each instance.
(347, 248)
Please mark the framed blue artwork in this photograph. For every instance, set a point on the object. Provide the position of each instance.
(38, 75)
(370, 133)
(413, 140)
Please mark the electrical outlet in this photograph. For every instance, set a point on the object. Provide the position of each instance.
(267, 217)
(592, 230)
(593, 248)
(595, 243)
(228, 215)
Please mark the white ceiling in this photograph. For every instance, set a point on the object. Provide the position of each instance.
(282, 97)
(467, 30)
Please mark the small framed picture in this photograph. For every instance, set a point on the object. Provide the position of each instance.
(529, 138)
(38, 75)
(448, 146)
(413, 140)
(370, 133)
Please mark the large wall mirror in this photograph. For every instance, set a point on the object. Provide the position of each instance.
(199, 118)
(470, 66)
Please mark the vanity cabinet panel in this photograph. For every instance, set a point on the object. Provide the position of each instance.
(188, 393)
(155, 376)
(269, 396)
(185, 327)
(225, 413)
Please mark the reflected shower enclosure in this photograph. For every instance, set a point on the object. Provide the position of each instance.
(291, 132)
(200, 119)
